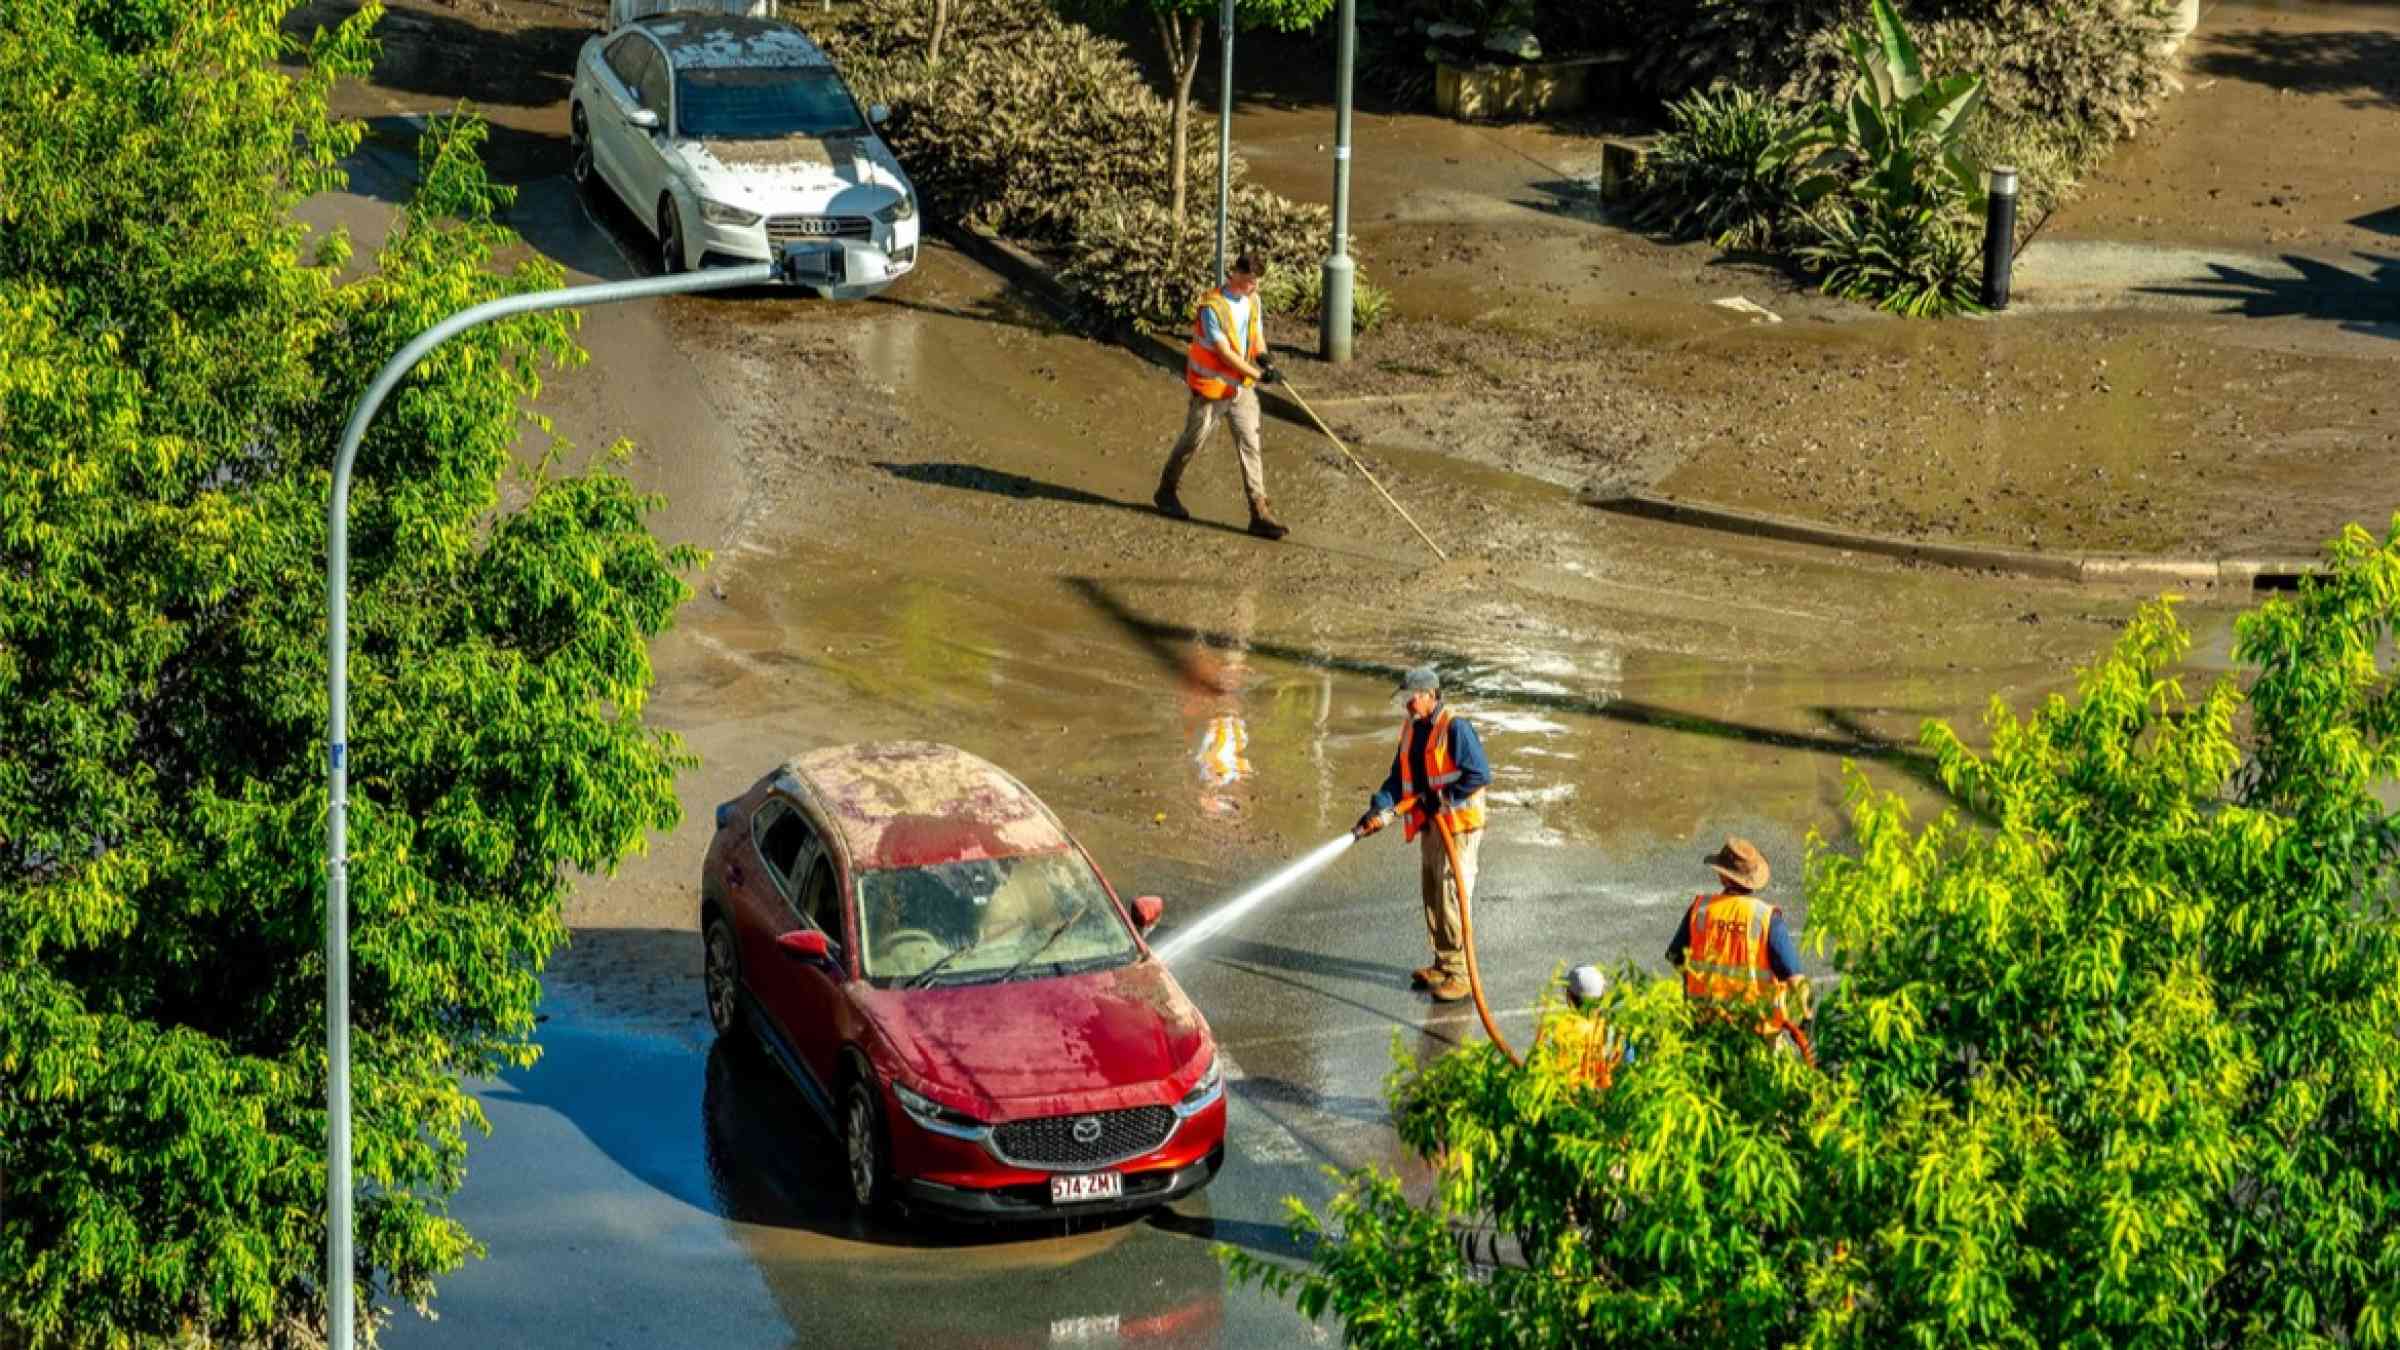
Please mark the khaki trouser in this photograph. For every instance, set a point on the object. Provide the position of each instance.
(1201, 418)
(1441, 901)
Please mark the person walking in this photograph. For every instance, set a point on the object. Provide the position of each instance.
(1737, 955)
(1225, 362)
(1440, 770)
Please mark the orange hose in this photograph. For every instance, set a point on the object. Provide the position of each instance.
(1466, 936)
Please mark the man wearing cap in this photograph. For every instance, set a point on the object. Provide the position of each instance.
(1439, 770)
(1736, 952)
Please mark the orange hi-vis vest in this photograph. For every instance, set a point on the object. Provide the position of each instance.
(1725, 965)
(1204, 370)
(1440, 772)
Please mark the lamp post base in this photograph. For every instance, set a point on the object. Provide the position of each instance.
(1334, 310)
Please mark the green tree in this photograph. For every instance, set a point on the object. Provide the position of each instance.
(2121, 1068)
(173, 374)
(1179, 25)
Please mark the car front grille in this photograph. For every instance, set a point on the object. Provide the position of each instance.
(799, 229)
(1110, 1137)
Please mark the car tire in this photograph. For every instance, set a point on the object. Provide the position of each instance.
(866, 1147)
(579, 142)
(721, 977)
(670, 239)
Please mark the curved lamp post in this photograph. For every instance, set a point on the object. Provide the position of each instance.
(789, 270)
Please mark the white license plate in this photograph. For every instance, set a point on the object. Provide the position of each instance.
(1078, 1187)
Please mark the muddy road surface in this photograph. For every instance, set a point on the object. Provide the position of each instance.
(929, 518)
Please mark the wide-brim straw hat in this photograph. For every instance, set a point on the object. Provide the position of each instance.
(1741, 863)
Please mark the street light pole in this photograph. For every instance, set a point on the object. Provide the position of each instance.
(1224, 129)
(1333, 310)
(340, 1311)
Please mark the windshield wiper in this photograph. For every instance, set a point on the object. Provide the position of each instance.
(925, 977)
(1055, 935)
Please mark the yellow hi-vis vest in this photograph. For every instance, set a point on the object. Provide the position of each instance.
(1467, 816)
(1204, 370)
(1585, 1046)
(1725, 967)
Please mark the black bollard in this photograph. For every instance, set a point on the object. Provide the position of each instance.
(1999, 236)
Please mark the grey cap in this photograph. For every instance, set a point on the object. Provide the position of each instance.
(1585, 983)
(1420, 677)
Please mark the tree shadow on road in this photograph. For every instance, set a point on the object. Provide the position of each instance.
(2363, 65)
(2366, 302)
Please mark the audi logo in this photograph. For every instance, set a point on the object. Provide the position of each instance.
(815, 225)
(1086, 1130)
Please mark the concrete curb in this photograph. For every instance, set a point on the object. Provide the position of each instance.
(2107, 569)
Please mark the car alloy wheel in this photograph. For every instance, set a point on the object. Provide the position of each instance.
(580, 141)
(670, 239)
(862, 1139)
(723, 977)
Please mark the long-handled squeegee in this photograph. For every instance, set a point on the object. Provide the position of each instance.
(1300, 869)
(1289, 388)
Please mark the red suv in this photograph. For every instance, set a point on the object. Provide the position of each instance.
(956, 989)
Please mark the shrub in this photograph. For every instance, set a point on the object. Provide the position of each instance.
(2115, 1068)
(1298, 294)
(1038, 130)
(1920, 261)
(1721, 172)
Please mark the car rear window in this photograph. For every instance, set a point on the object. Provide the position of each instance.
(980, 919)
(756, 103)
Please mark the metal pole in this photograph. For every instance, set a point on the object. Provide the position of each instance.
(1999, 235)
(340, 1301)
(1333, 313)
(1224, 130)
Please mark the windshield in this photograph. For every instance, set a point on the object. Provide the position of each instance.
(764, 103)
(979, 919)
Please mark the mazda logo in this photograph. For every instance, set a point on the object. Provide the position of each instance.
(1087, 1130)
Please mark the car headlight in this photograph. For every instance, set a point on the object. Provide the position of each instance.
(1211, 1085)
(725, 213)
(905, 208)
(939, 1118)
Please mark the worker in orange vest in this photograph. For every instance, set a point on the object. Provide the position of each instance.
(1440, 768)
(1738, 958)
(1226, 360)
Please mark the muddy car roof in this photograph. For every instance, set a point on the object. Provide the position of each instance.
(916, 803)
(724, 41)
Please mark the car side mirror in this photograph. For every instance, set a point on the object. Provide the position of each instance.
(879, 113)
(806, 944)
(1146, 912)
(645, 118)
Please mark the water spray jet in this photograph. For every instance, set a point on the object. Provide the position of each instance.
(1316, 860)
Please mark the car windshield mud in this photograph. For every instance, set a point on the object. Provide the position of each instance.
(764, 103)
(978, 920)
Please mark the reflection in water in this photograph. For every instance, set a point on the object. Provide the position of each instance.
(1214, 682)
(921, 1281)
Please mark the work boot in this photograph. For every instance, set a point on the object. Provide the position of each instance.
(1449, 989)
(1263, 522)
(1423, 976)
(1168, 504)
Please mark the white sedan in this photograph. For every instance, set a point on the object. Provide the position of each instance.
(732, 137)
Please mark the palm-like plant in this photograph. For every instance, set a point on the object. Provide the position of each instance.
(1896, 139)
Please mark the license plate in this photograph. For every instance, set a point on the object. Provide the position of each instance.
(1078, 1187)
